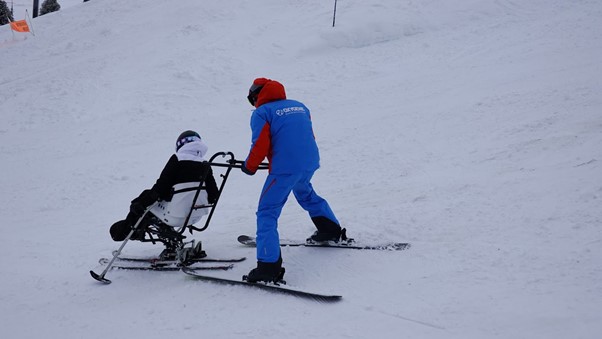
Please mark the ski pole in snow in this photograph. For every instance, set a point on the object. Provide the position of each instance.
(101, 277)
(36, 8)
(30, 22)
(334, 15)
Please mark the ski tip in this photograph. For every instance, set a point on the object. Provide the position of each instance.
(97, 277)
(246, 240)
(243, 238)
(330, 298)
(187, 270)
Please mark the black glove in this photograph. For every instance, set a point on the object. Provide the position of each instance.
(137, 209)
(245, 170)
(211, 200)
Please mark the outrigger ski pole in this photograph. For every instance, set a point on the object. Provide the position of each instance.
(101, 277)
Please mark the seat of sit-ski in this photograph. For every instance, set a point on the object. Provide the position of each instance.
(175, 211)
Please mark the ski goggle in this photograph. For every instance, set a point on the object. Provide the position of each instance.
(186, 140)
(253, 93)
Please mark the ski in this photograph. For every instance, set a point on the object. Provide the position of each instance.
(158, 261)
(394, 246)
(264, 286)
(173, 267)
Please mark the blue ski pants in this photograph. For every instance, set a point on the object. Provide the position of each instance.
(274, 194)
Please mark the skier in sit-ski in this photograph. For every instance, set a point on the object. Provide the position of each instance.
(173, 192)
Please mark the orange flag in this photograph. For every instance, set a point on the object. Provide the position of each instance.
(19, 26)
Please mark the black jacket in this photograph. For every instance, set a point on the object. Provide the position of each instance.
(177, 172)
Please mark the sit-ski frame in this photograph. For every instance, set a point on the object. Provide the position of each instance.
(229, 165)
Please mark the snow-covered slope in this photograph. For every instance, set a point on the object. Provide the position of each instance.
(471, 129)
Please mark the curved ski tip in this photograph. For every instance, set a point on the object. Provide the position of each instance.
(243, 238)
(99, 278)
(404, 246)
(327, 298)
(333, 298)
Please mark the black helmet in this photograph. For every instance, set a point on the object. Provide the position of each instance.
(186, 137)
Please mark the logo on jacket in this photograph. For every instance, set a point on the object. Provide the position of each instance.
(290, 110)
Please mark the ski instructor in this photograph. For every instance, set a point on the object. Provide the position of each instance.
(282, 131)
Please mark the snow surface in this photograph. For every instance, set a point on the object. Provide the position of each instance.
(472, 129)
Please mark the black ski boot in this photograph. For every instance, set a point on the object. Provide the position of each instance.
(120, 230)
(319, 237)
(139, 235)
(328, 230)
(266, 272)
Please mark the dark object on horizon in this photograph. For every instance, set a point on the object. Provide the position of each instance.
(49, 6)
(6, 15)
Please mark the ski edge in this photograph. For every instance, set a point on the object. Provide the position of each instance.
(396, 246)
(271, 288)
(158, 261)
(173, 268)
